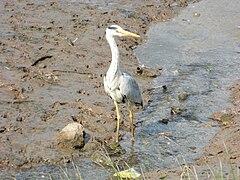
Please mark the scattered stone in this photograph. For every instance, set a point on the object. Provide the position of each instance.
(173, 4)
(196, 14)
(183, 96)
(2, 129)
(139, 70)
(21, 118)
(83, 91)
(193, 149)
(71, 136)
(7, 115)
(164, 88)
(177, 110)
(148, 72)
(164, 121)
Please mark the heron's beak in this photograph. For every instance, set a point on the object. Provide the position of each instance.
(127, 33)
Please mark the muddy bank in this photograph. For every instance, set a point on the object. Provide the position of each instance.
(53, 57)
(225, 146)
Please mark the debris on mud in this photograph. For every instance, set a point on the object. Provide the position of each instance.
(101, 159)
(114, 148)
(222, 117)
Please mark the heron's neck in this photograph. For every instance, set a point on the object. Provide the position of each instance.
(115, 56)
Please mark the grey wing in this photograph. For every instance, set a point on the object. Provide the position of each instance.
(130, 89)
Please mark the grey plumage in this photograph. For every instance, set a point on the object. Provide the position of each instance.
(130, 89)
(120, 86)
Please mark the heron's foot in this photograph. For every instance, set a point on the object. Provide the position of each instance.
(119, 137)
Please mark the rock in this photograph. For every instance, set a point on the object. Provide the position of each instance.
(173, 4)
(148, 72)
(196, 14)
(177, 110)
(3, 129)
(183, 96)
(164, 120)
(139, 70)
(164, 88)
(71, 136)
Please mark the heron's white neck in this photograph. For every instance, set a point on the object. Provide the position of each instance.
(115, 56)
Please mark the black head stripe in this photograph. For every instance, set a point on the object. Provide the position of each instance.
(112, 27)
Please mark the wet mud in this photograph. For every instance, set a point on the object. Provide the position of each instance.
(53, 57)
(224, 146)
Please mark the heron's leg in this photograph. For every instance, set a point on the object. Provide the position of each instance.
(131, 121)
(118, 120)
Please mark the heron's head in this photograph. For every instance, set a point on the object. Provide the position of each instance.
(115, 30)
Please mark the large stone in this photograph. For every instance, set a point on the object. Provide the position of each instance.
(71, 136)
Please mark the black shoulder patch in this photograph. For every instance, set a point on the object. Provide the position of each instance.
(124, 97)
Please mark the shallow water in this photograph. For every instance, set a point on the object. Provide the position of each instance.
(200, 56)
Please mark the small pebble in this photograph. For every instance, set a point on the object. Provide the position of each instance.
(196, 14)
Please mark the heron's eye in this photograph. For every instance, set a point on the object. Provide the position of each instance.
(112, 27)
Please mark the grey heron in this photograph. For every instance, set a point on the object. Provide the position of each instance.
(121, 86)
